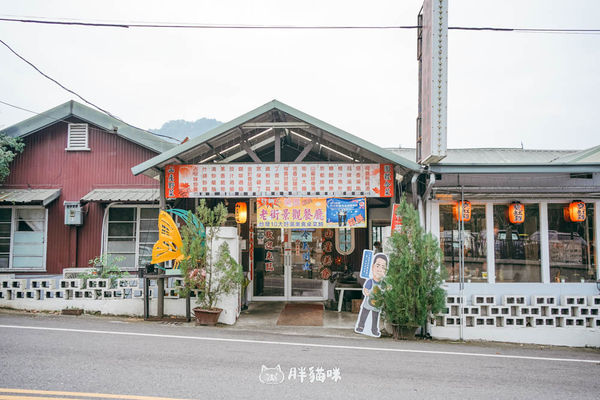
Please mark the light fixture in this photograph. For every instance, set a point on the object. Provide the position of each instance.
(462, 211)
(241, 212)
(516, 213)
(577, 211)
(286, 125)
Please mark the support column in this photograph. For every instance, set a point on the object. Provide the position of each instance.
(162, 201)
(597, 237)
(490, 248)
(544, 242)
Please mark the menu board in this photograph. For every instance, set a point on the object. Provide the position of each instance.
(271, 180)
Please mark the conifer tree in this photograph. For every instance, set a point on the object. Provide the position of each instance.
(413, 282)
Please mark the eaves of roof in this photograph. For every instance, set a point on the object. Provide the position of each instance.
(160, 160)
(91, 116)
(514, 168)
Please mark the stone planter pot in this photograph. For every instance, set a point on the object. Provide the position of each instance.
(207, 317)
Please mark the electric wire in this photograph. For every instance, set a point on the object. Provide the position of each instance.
(156, 25)
(78, 95)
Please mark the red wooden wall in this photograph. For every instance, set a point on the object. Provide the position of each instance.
(46, 164)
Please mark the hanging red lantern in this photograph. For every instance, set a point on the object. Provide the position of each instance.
(566, 215)
(516, 213)
(462, 211)
(241, 212)
(577, 211)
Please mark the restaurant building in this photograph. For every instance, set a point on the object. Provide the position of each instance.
(316, 196)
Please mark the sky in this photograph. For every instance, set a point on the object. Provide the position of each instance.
(504, 89)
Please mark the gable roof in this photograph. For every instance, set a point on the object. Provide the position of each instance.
(178, 153)
(91, 116)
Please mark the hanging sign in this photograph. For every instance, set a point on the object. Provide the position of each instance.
(396, 219)
(303, 236)
(308, 212)
(365, 266)
(259, 180)
(347, 212)
(251, 251)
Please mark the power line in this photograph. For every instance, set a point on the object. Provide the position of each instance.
(146, 25)
(78, 95)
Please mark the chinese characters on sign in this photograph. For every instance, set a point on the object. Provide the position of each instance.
(252, 180)
(308, 212)
(269, 247)
(396, 218)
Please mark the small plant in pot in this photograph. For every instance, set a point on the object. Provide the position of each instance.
(212, 271)
(413, 281)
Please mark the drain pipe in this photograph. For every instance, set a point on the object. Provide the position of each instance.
(423, 200)
(413, 186)
(104, 225)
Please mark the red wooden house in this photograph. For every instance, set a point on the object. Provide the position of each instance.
(71, 196)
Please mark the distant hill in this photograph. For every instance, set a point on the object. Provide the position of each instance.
(181, 129)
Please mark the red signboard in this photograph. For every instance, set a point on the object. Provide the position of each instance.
(276, 180)
(396, 219)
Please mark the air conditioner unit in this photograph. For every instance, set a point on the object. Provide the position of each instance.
(73, 214)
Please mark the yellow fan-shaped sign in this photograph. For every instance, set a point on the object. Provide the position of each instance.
(169, 244)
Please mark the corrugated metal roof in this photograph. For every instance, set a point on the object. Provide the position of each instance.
(125, 195)
(587, 156)
(28, 196)
(502, 160)
(174, 153)
(494, 156)
(87, 114)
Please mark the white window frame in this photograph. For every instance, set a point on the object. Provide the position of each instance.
(12, 234)
(543, 227)
(87, 139)
(138, 207)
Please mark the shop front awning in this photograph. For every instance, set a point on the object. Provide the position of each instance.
(134, 195)
(29, 196)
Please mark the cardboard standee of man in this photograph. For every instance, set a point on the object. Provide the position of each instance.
(374, 272)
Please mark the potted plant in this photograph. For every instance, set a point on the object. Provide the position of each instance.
(212, 271)
(105, 266)
(413, 282)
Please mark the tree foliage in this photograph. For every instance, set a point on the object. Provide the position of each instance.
(213, 274)
(413, 282)
(10, 147)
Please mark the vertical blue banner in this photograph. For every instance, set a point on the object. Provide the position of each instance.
(365, 266)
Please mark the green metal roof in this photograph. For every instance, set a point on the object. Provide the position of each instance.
(91, 116)
(513, 160)
(591, 155)
(172, 154)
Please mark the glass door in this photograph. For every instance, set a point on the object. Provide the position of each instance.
(287, 265)
(269, 269)
(305, 278)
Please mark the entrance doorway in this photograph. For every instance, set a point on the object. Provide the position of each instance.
(287, 264)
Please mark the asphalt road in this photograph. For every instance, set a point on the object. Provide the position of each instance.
(100, 355)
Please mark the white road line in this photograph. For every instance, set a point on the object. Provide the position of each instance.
(329, 346)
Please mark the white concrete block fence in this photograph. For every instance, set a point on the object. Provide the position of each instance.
(126, 297)
(568, 320)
